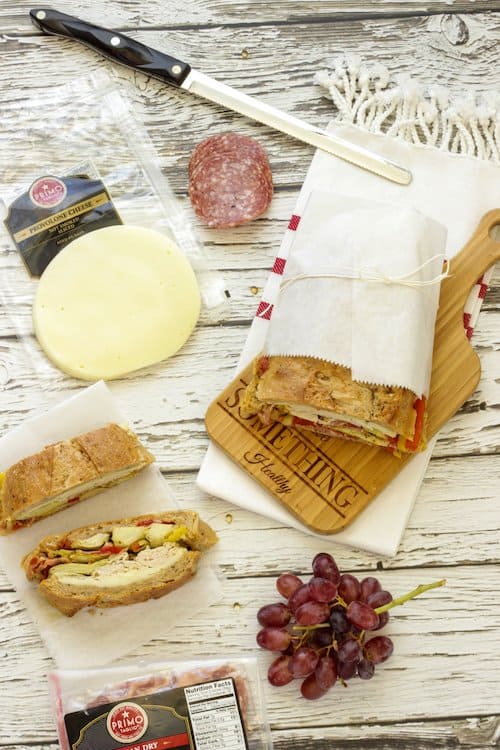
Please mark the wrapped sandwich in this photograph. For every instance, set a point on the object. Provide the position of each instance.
(68, 471)
(322, 397)
(119, 562)
(348, 350)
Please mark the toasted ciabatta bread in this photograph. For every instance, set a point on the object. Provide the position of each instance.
(68, 471)
(322, 397)
(119, 562)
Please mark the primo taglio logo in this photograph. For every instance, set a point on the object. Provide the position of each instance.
(127, 722)
(48, 192)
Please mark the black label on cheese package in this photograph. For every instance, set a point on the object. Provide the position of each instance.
(55, 211)
(205, 716)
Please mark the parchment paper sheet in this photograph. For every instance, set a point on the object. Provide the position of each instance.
(98, 636)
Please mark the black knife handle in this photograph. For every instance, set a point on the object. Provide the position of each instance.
(116, 46)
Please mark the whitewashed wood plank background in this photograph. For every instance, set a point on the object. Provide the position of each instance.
(441, 689)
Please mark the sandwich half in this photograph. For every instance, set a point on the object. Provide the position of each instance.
(119, 562)
(66, 472)
(322, 397)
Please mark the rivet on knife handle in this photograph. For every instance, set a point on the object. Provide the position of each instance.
(112, 44)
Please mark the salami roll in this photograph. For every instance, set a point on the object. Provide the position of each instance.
(230, 181)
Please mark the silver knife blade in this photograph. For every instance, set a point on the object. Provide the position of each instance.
(208, 88)
(127, 51)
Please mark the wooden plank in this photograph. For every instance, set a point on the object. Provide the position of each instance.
(245, 287)
(242, 259)
(17, 294)
(454, 734)
(250, 248)
(172, 423)
(479, 732)
(14, 15)
(463, 512)
(419, 47)
(176, 119)
(434, 644)
(452, 530)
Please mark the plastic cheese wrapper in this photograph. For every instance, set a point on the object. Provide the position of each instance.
(191, 705)
(94, 637)
(74, 161)
(361, 290)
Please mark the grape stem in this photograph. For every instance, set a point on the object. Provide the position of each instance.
(311, 627)
(410, 595)
(306, 630)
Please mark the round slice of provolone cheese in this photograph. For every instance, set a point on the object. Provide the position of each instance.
(115, 300)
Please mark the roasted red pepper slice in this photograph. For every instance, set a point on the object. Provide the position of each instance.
(111, 549)
(137, 546)
(419, 406)
(42, 565)
(262, 365)
(300, 420)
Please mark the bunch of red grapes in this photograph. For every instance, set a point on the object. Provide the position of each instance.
(324, 631)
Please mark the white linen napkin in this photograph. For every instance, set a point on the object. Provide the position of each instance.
(454, 190)
(95, 637)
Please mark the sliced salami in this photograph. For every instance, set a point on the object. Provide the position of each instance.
(232, 144)
(230, 180)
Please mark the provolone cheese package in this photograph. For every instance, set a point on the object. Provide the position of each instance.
(102, 275)
(190, 705)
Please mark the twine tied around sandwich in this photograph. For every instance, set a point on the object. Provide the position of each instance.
(370, 273)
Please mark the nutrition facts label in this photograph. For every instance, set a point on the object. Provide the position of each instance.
(215, 716)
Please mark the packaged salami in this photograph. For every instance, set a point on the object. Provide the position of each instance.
(189, 705)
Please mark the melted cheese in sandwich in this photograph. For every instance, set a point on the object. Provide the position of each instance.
(121, 571)
(51, 504)
(330, 417)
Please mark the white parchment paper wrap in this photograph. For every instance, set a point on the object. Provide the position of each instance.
(98, 636)
(382, 330)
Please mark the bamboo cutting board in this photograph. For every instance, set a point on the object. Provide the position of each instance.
(325, 482)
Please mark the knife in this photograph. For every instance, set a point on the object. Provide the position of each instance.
(125, 50)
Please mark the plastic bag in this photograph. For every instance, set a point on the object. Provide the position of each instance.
(190, 705)
(88, 127)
